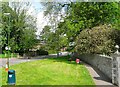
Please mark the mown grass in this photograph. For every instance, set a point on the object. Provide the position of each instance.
(53, 71)
(0, 77)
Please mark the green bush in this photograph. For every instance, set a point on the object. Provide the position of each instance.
(51, 51)
(100, 40)
(41, 52)
(30, 53)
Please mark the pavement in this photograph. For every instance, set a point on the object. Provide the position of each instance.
(13, 61)
(100, 79)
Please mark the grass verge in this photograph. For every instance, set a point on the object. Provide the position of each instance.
(53, 71)
(8, 55)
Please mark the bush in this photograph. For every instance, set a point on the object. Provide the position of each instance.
(51, 51)
(100, 40)
(41, 52)
(30, 53)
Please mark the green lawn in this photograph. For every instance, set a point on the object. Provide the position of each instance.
(7, 55)
(54, 71)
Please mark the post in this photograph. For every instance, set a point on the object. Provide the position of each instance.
(18, 55)
(0, 70)
(8, 40)
(118, 60)
(116, 67)
(8, 48)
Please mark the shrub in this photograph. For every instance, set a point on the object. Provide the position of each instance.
(41, 52)
(100, 40)
(30, 53)
(51, 51)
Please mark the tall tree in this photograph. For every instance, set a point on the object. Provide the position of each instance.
(16, 25)
(53, 12)
(81, 15)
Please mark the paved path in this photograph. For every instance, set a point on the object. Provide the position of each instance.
(99, 78)
(13, 61)
(20, 60)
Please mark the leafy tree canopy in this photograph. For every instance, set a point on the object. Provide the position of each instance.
(18, 28)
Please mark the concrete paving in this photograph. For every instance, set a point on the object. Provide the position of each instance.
(99, 78)
(13, 61)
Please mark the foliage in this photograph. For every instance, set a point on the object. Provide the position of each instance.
(84, 15)
(55, 41)
(50, 38)
(100, 39)
(91, 14)
(42, 52)
(51, 51)
(18, 28)
(81, 15)
(45, 34)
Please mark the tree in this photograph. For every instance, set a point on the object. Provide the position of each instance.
(45, 33)
(98, 40)
(53, 13)
(81, 15)
(49, 38)
(19, 28)
(86, 15)
(90, 14)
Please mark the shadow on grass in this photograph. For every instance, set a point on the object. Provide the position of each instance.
(65, 59)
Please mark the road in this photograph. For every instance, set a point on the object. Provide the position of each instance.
(13, 61)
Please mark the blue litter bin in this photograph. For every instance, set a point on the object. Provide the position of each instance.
(11, 77)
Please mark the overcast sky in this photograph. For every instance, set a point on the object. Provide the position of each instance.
(37, 11)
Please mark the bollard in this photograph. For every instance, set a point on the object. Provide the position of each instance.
(77, 61)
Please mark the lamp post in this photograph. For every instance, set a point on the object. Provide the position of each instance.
(8, 37)
(7, 48)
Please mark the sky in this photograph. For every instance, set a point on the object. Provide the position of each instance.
(37, 11)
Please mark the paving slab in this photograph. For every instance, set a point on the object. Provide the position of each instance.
(99, 78)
